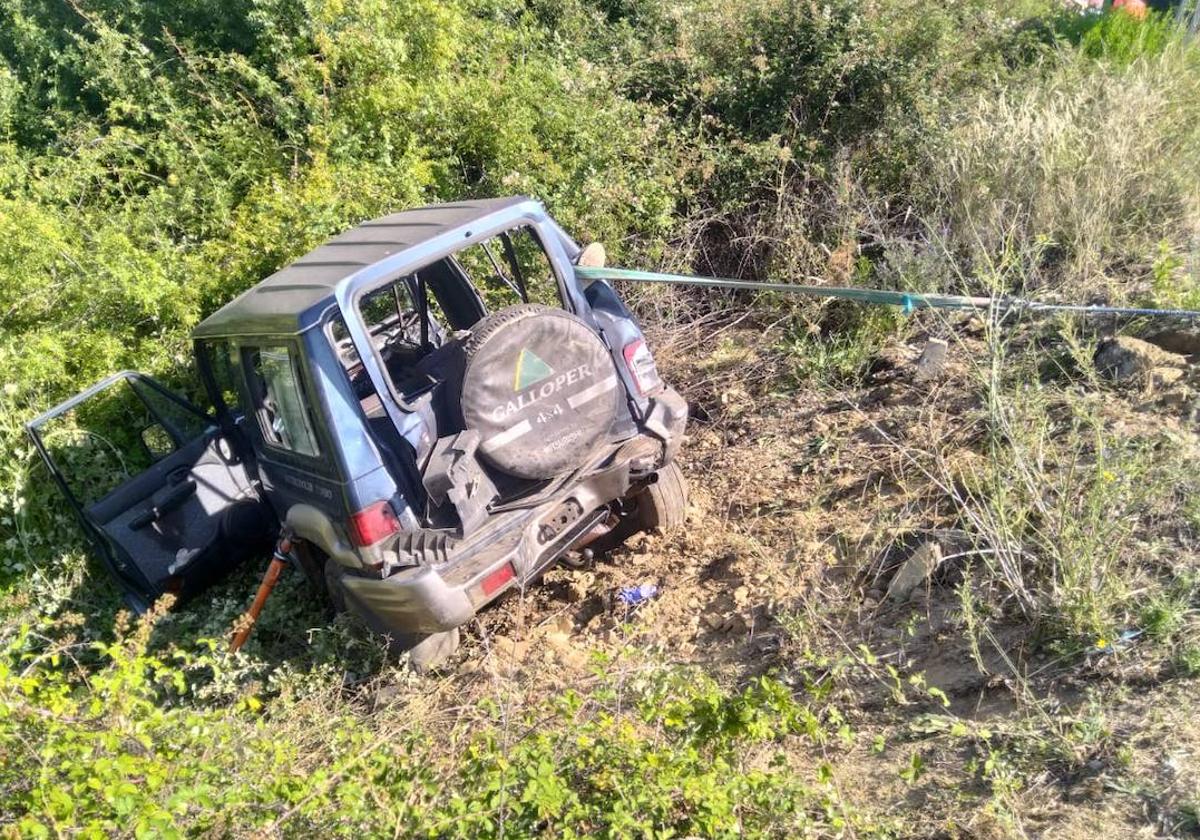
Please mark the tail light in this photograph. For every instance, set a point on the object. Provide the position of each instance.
(640, 362)
(496, 580)
(372, 524)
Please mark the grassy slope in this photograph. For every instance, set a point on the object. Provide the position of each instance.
(154, 160)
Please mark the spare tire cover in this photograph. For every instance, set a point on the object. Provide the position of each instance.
(540, 388)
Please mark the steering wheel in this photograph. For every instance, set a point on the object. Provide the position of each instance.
(399, 332)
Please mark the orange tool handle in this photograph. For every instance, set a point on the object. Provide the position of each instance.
(274, 570)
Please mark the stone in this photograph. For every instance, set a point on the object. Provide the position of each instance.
(1184, 340)
(736, 623)
(932, 363)
(563, 624)
(558, 641)
(386, 695)
(1127, 359)
(1161, 377)
(593, 255)
(508, 648)
(915, 571)
(579, 586)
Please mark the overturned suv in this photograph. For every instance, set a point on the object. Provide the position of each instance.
(432, 403)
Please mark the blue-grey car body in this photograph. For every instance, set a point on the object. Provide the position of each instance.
(317, 495)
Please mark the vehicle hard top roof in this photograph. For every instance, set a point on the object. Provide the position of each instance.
(294, 298)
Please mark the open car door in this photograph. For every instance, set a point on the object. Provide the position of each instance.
(164, 496)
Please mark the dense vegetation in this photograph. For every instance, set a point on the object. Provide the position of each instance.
(157, 158)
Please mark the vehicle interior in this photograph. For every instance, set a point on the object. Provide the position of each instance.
(416, 320)
(418, 324)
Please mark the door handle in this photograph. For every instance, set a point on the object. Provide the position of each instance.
(163, 502)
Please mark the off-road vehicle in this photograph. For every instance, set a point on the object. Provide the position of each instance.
(432, 403)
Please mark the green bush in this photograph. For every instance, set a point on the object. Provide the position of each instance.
(112, 739)
(1120, 38)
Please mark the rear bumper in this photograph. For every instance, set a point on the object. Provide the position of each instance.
(666, 420)
(435, 597)
(438, 596)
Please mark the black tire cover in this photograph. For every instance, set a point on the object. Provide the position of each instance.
(540, 388)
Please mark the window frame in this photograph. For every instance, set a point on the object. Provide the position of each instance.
(517, 283)
(551, 238)
(250, 376)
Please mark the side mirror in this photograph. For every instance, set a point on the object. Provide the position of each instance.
(157, 441)
(592, 256)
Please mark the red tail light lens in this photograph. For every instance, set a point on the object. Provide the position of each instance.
(498, 578)
(640, 363)
(372, 524)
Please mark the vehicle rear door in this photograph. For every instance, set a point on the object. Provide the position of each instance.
(164, 496)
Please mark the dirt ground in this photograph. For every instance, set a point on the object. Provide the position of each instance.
(804, 506)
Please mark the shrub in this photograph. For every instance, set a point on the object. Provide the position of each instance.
(116, 739)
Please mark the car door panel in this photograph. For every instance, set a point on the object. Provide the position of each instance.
(179, 523)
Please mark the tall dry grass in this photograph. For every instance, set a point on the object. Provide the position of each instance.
(1096, 164)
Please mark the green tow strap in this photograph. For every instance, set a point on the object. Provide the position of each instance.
(908, 301)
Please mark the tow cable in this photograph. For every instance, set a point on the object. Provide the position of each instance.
(908, 301)
(279, 561)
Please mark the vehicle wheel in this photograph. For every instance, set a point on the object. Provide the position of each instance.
(541, 390)
(663, 505)
(426, 652)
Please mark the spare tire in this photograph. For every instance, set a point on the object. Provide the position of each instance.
(540, 388)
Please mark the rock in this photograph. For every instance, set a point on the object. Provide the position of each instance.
(916, 570)
(593, 255)
(1177, 398)
(386, 695)
(1161, 377)
(558, 641)
(579, 586)
(508, 648)
(893, 357)
(736, 623)
(563, 624)
(1125, 359)
(1184, 340)
(741, 595)
(932, 363)
(883, 395)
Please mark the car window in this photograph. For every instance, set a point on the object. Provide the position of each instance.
(279, 399)
(394, 319)
(114, 435)
(181, 423)
(510, 268)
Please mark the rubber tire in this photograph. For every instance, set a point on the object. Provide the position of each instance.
(663, 505)
(526, 458)
(427, 652)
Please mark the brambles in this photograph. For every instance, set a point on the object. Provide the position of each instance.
(136, 744)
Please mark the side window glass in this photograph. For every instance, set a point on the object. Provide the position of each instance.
(180, 423)
(280, 400)
(510, 268)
